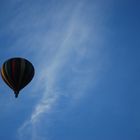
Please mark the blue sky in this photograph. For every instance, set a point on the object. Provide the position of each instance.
(86, 57)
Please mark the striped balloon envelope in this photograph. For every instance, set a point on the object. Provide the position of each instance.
(17, 73)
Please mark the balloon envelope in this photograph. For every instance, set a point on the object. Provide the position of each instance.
(17, 73)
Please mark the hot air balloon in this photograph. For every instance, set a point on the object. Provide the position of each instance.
(17, 73)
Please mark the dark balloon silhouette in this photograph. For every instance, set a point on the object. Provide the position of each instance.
(17, 73)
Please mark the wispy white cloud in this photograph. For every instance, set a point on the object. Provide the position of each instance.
(63, 51)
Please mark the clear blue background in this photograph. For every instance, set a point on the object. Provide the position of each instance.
(87, 59)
